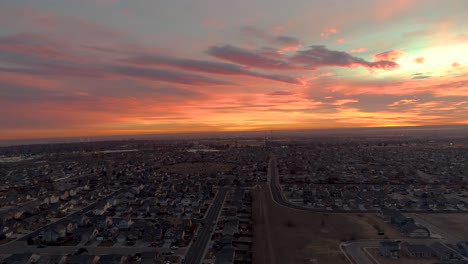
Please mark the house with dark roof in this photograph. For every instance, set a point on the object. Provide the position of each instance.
(417, 251)
(225, 255)
(390, 249)
(463, 248)
(111, 259)
(81, 259)
(17, 258)
(416, 231)
(443, 252)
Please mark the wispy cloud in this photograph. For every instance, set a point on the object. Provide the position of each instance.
(246, 57)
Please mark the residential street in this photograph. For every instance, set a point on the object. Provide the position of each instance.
(20, 247)
(197, 249)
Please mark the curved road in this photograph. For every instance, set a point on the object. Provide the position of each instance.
(354, 250)
(278, 197)
(277, 194)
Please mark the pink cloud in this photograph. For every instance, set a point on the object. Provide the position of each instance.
(340, 40)
(391, 55)
(328, 31)
(289, 48)
(456, 64)
(55, 23)
(385, 10)
(278, 29)
(213, 23)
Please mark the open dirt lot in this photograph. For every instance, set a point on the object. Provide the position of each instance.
(452, 224)
(403, 260)
(283, 235)
(198, 167)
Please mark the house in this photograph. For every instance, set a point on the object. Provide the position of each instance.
(179, 210)
(148, 257)
(395, 217)
(84, 221)
(133, 234)
(226, 240)
(443, 252)
(81, 259)
(416, 231)
(70, 227)
(34, 259)
(225, 255)
(174, 234)
(463, 246)
(103, 222)
(111, 259)
(49, 259)
(417, 251)
(125, 223)
(85, 234)
(18, 258)
(390, 249)
(122, 237)
(54, 234)
(54, 199)
(152, 234)
(231, 226)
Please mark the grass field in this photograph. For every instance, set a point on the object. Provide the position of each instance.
(452, 224)
(198, 167)
(284, 235)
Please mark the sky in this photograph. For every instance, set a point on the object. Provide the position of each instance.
(73, 68)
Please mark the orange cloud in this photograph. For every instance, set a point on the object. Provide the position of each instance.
(419, 60)
(340, 40)
(345, 101)
(359, 50)
(404, 101)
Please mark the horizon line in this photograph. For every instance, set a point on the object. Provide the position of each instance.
(97, 138)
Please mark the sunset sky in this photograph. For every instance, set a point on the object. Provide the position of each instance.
(118, 67)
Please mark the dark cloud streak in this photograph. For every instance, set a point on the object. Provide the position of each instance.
(206, 67)
(270, 39)
(308, 59)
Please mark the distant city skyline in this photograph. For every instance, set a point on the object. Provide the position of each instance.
(121, 67)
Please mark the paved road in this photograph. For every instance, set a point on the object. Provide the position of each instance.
(195, 253)
(278, 197)
(355, 250)
(277, 194)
